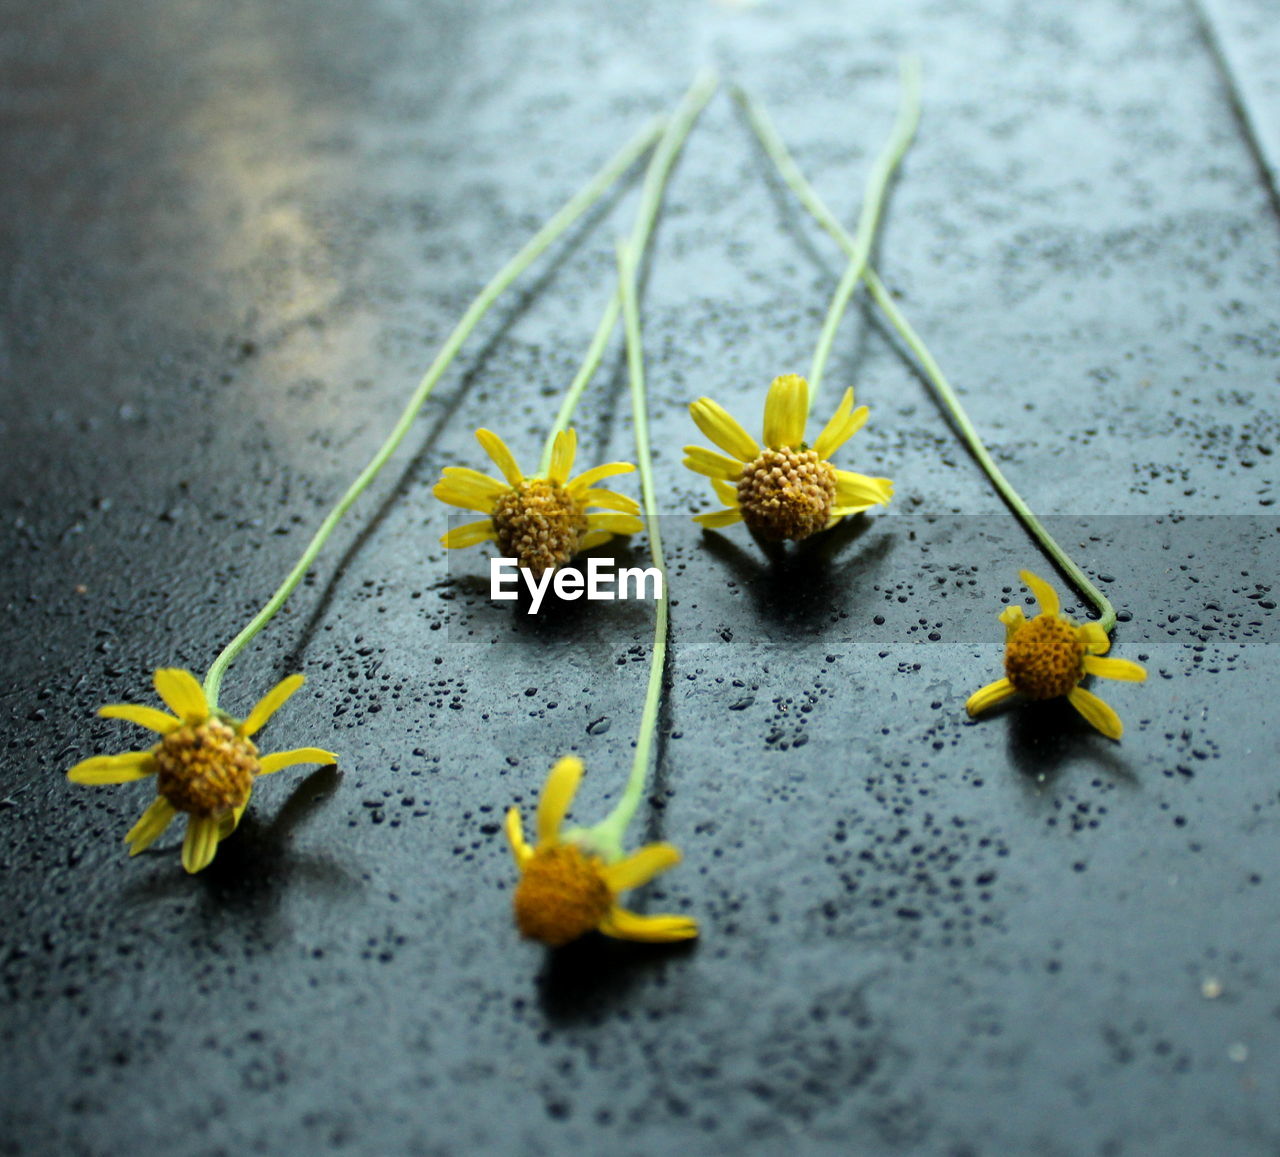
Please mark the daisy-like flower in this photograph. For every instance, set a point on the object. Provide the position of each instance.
(542, 522)
(1049, 655)
(204, 764)
(566, 889)
(788, 489)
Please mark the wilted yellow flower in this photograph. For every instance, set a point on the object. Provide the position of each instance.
(1048, 656)
(204, 764)
(789, 489)
(542, 522)
(566, 889)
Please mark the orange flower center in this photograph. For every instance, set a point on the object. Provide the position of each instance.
(787, 494)
(1045, 657)
(205, 769)
(539, 523)
(561, 895)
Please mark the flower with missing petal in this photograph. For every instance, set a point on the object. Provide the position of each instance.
(1049, 655)
(788, 489)
(204, 764)
(541, 521)
(567, 889)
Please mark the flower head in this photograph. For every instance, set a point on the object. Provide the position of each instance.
(567, 889)
(541, 521)
(788, 489)
(204, 765)
(1049, 655)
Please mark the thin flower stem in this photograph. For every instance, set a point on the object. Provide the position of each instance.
(655, 182)
(790, 172)
(872, 203)
(573, 209)
(610, 830)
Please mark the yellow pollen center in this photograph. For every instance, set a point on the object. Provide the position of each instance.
(205, 769)
(540, 524)
(787, 493)
(1045, 657)
(561, 895)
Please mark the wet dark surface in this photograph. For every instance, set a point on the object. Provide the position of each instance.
(235, 234)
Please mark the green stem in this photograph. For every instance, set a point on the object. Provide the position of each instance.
(655, 181)
(872, 203)
(609, 832)
(533, 248)
(777, 151)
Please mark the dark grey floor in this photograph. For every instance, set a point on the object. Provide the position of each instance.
(234, 235)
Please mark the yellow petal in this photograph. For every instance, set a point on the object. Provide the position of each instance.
(1096, 712)
(589, 478)
(829, 442)
(989, 696)
(182, 694)
(1096, 640)
(713, 465)
(282, 759)
(860, 490)
(839, 512)
(594, 538)
(150, 826)
(1124, 669)
(229, 821)
(622, 924)
(147, 717)
(201, 842)
(718, 519)
(563, 452)
(640, 867)
(122, 768)
(469, 534)
(1014, 619)
(785, 409)
(515, 837)
(270, 703)
(503, 459)
(725, 491)
(615, 523)
(470, 490)
(845, 422)
(1046, 596)
(724, 430)
(610, 499)
(477, 478)
(557, 795)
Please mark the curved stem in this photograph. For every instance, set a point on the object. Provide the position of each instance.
(872, 202)
(655, 182)
(777, 151)
(578, 204)
(610, 830)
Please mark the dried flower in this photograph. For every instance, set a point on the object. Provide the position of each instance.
(788, 489)
(1048, 656)
(204, 764)
(541, 521)
(567, 888)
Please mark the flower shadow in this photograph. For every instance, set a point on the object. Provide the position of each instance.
(1047, 737)
(800, 587)
(583, 982)
(254, 867)
(560, 620)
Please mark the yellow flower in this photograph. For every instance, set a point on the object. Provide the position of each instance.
(204, 764)
(1049, 655)
(542, 522)
(789, 489)
(566, 890)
